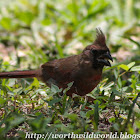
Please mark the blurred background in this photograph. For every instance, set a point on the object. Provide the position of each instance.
(33, 32)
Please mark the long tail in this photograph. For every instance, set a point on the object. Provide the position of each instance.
(19, 74)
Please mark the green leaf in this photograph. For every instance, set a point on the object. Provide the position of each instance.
(26, 17)
(116, 126)
(136, 68)
(116, 92)
(111, 119)
(34, 84)
(6, 23)
(55, 89)
(90, 113)
(130, 65)
(64, 103)
(72, 117)
(2, 101)
(130, 112)
(108, 85)
(82, 114)
(123, 66)
(69, 86)
(119, 82)
(96, 115)
(12, 120)
(54, 101)
(115, 73)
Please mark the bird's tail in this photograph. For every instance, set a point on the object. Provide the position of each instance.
(19, 74)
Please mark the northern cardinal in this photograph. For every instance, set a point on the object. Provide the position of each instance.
(84, 70)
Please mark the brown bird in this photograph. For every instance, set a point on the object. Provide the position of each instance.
(84, 70)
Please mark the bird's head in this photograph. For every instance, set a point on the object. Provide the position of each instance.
(99, 51)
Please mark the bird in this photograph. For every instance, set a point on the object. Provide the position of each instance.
(83, 70)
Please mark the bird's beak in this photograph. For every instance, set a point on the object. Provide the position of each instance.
(104, 59)
(107, 56)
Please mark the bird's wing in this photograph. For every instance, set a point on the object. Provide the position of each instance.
(59, 70)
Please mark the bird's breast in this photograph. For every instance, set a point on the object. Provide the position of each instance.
(96, 77)
(85, 84)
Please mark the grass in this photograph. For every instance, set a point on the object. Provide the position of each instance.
(34, 32)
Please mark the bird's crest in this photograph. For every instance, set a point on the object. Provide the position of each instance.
(100, 38)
